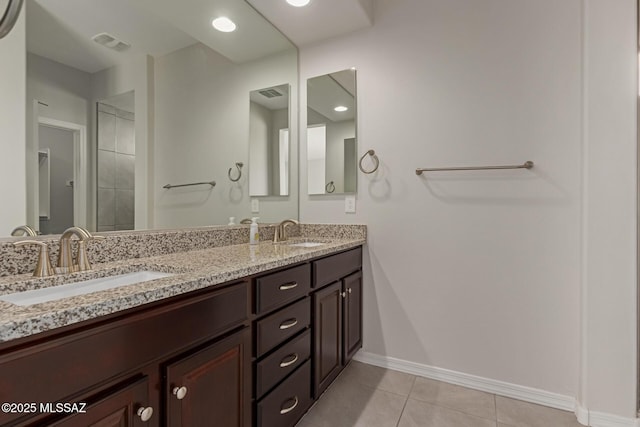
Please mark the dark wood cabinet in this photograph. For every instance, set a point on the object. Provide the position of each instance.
(327, 326)
(337, 316)
(126, 407)
(352, 325)
(212, 386)
(252, 352)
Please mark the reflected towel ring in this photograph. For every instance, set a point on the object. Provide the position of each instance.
(330, 187)
(239, 167)
(375, 159)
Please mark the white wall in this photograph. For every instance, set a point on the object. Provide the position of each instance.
(610, 200)
(490, 277)
(12, 122)
(66, 92)
(259, 143)
(202, 130)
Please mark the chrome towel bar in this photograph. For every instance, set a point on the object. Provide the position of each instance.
(211, 183)
(526, 165)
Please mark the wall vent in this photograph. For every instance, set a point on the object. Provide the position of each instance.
(107, 40)
(270, 93)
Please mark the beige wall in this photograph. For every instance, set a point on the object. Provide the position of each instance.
(515, 276)
(12, 122)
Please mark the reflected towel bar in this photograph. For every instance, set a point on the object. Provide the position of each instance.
(211, 183)
(526, 165)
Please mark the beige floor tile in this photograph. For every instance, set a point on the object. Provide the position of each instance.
(517, 413)
(380, 378)
(422, 414)
(472, 402)
(350, 404)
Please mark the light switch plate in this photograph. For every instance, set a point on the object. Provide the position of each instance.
(255, 206)
(350, 204)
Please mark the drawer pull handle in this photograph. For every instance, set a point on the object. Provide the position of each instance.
(288, 324)
(179, 392)
(288, 286)
(290, 408)
(145, 413)
(294, 359)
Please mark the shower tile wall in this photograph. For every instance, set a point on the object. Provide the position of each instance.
(116, 166)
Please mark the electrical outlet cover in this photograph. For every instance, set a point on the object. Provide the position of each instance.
(350, 204)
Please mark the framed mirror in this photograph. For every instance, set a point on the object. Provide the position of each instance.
(269, 138)
(331, 133)
(141, 102)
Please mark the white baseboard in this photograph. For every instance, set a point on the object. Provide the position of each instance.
(501, 388)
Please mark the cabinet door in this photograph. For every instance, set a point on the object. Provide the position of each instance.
(212, 386)
(352, 325)
(118, 409)
(327, 322)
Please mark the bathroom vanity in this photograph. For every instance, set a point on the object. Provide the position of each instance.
(249, 342)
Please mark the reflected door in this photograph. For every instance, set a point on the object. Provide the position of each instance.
(55, 179)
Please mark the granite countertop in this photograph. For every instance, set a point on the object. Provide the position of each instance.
(192, 270)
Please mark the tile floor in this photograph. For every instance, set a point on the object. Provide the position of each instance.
(368, 396)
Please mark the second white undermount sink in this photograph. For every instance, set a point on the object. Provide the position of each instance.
(58, 292)
(307, 244)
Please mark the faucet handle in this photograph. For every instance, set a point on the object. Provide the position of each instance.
(43, 267)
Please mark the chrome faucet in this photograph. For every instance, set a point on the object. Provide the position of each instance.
(24, 230)
(65, 255)
(281, 230)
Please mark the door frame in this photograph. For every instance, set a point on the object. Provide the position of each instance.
(80, 175)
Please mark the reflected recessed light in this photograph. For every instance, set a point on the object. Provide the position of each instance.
(298, 3)
(224, 24)
(341, 109)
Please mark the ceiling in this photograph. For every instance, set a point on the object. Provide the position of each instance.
(61, 30)
(274, 103)
(326, 92)
(319, 20)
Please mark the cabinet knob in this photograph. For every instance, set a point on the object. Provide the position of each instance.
(349, 290)
(288, 323)
(290, 408)
(145, 413)
(179, 392)
(294, 359)
(343, 294)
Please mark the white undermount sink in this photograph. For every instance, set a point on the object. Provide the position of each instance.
(307, 244)
(54, 293)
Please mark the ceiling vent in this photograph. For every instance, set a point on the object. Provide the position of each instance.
(270, 93)
(107, 40)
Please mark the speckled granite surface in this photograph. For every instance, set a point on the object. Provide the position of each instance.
(193, 269)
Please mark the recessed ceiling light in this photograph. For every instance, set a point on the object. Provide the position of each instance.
(224, 24)
(341, 109)
(298, 3)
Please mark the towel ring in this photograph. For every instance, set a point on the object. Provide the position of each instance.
(375, 159)
(330, 187)
(239, 167)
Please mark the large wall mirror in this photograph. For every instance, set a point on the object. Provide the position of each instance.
(132, 101)
(331, 133)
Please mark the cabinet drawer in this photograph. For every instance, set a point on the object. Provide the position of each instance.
(284, 406)
(285, 360)
(328, 270)
(283, 324)
(277, 289)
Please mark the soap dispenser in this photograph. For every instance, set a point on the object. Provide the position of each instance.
(254, 235)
